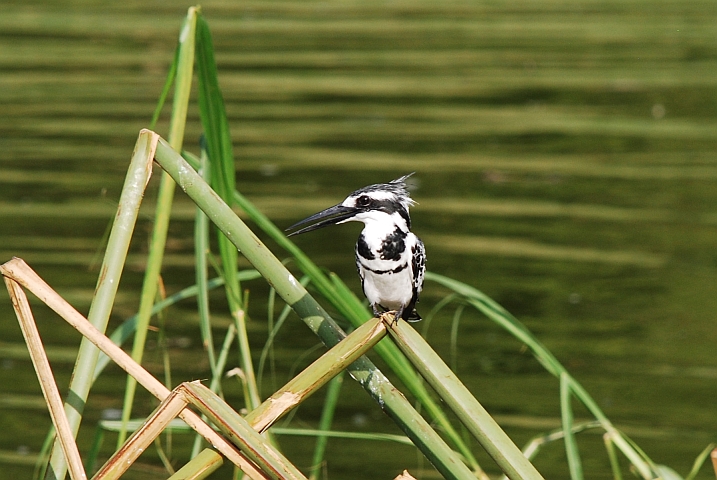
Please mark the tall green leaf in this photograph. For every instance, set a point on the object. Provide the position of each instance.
(502, 317)
(221, 159)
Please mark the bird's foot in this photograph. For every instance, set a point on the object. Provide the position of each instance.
(397, 315)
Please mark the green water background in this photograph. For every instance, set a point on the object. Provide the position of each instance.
(565, 159)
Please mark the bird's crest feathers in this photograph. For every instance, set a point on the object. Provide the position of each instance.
(394, 190)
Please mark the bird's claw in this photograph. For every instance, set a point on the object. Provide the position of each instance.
(396, 314)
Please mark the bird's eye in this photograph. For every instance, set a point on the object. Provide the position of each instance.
(363, 201)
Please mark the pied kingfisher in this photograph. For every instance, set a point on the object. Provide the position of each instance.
(391, 260)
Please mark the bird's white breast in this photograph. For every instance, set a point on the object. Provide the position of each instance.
(387, 282)
(392, 290)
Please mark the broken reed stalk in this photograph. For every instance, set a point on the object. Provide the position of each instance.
(18, 271)
(142, 437)
(234, 426)
(230, 423)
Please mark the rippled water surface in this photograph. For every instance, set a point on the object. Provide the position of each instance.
(566, 166)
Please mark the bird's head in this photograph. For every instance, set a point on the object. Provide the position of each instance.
(374, 203)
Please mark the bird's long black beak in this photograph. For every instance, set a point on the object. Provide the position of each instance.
(330, 216)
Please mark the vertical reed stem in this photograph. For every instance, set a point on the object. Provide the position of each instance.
(117, 246)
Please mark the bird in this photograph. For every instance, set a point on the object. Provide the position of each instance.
(390, 259)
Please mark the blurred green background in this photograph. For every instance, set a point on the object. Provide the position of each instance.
(566, 166)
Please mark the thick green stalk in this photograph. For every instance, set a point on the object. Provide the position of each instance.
(294, 294)
(200, 466)
(117, 246)
(470, 412)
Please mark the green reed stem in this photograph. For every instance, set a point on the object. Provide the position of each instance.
(470, 412)
(704, 455)
(612, 455)
(183, 84)
(201, 250)
(200, 466)
(117, 247)
(571, 445)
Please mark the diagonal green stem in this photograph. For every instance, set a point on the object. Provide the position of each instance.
(470, 412)
(201, 250)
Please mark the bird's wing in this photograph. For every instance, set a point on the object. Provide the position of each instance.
(419, 266)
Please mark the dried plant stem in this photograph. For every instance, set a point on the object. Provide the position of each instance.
(47, 379)
(230, 423)
(17, 270)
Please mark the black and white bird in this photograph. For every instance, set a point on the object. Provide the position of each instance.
(391, 260)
